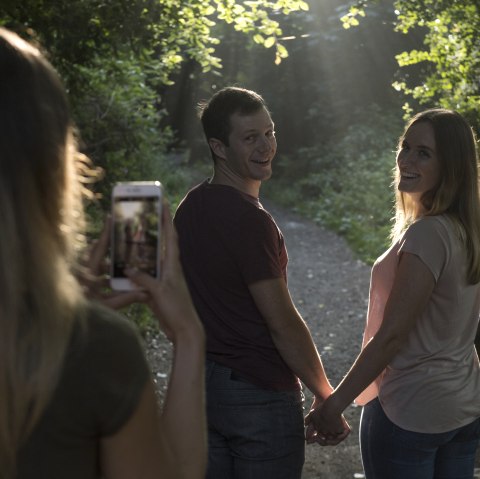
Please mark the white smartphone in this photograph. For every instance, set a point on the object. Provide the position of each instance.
(136, 231)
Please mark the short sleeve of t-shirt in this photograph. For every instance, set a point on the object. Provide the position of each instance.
(259, 248)
(104, 373)
(114, 370)
(427, 239)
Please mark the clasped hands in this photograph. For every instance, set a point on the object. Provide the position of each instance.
(325, 425)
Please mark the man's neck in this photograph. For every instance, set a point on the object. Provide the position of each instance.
(249, 187)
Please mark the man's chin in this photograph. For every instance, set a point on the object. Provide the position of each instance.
(265, 175)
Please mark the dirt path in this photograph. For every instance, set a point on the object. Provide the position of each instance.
(330, 289)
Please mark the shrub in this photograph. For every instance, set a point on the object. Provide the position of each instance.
(346, 185)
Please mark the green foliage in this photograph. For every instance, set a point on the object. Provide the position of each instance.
(165, 32)
(117, 56)
(348, 188)
(350, 19)
(119, 119)
(252, 17)
(452, 56)
(142, 316)
(450, 61)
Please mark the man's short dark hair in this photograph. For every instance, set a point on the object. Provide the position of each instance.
(215, 114)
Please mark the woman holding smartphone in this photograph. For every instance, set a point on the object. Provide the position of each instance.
(76, 396)
(418, 374)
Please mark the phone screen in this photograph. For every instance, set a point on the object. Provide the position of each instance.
(135, 234)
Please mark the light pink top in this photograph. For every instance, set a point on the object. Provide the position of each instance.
(433, 384)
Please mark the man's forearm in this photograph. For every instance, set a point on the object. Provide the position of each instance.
(290, 334)
(296, 346)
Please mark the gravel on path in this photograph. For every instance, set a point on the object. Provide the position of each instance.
(329, 286)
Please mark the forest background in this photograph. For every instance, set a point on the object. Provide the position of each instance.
(339, 78)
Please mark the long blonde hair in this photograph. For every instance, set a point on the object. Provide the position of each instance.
(457, 191)
(41, 218)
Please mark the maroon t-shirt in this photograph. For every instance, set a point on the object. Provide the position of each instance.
(228, 241)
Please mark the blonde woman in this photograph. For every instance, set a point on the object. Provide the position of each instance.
(418, 374)
(76, 396)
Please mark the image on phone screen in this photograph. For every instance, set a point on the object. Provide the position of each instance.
(135, 235)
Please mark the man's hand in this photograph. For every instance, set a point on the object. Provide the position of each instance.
(310, 433)
(324, 425)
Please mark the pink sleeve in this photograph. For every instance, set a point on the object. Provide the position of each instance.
(428, 239)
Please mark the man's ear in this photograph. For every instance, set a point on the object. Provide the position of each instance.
(218, 148)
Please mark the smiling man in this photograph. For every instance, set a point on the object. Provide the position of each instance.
(235, 261)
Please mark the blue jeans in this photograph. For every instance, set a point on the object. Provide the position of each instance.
(253, 433)
(390, 452)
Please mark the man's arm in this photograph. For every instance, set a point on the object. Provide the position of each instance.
(290, 334)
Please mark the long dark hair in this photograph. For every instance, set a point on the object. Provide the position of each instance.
(40, 217)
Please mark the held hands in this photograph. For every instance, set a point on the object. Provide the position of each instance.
(324, 424)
